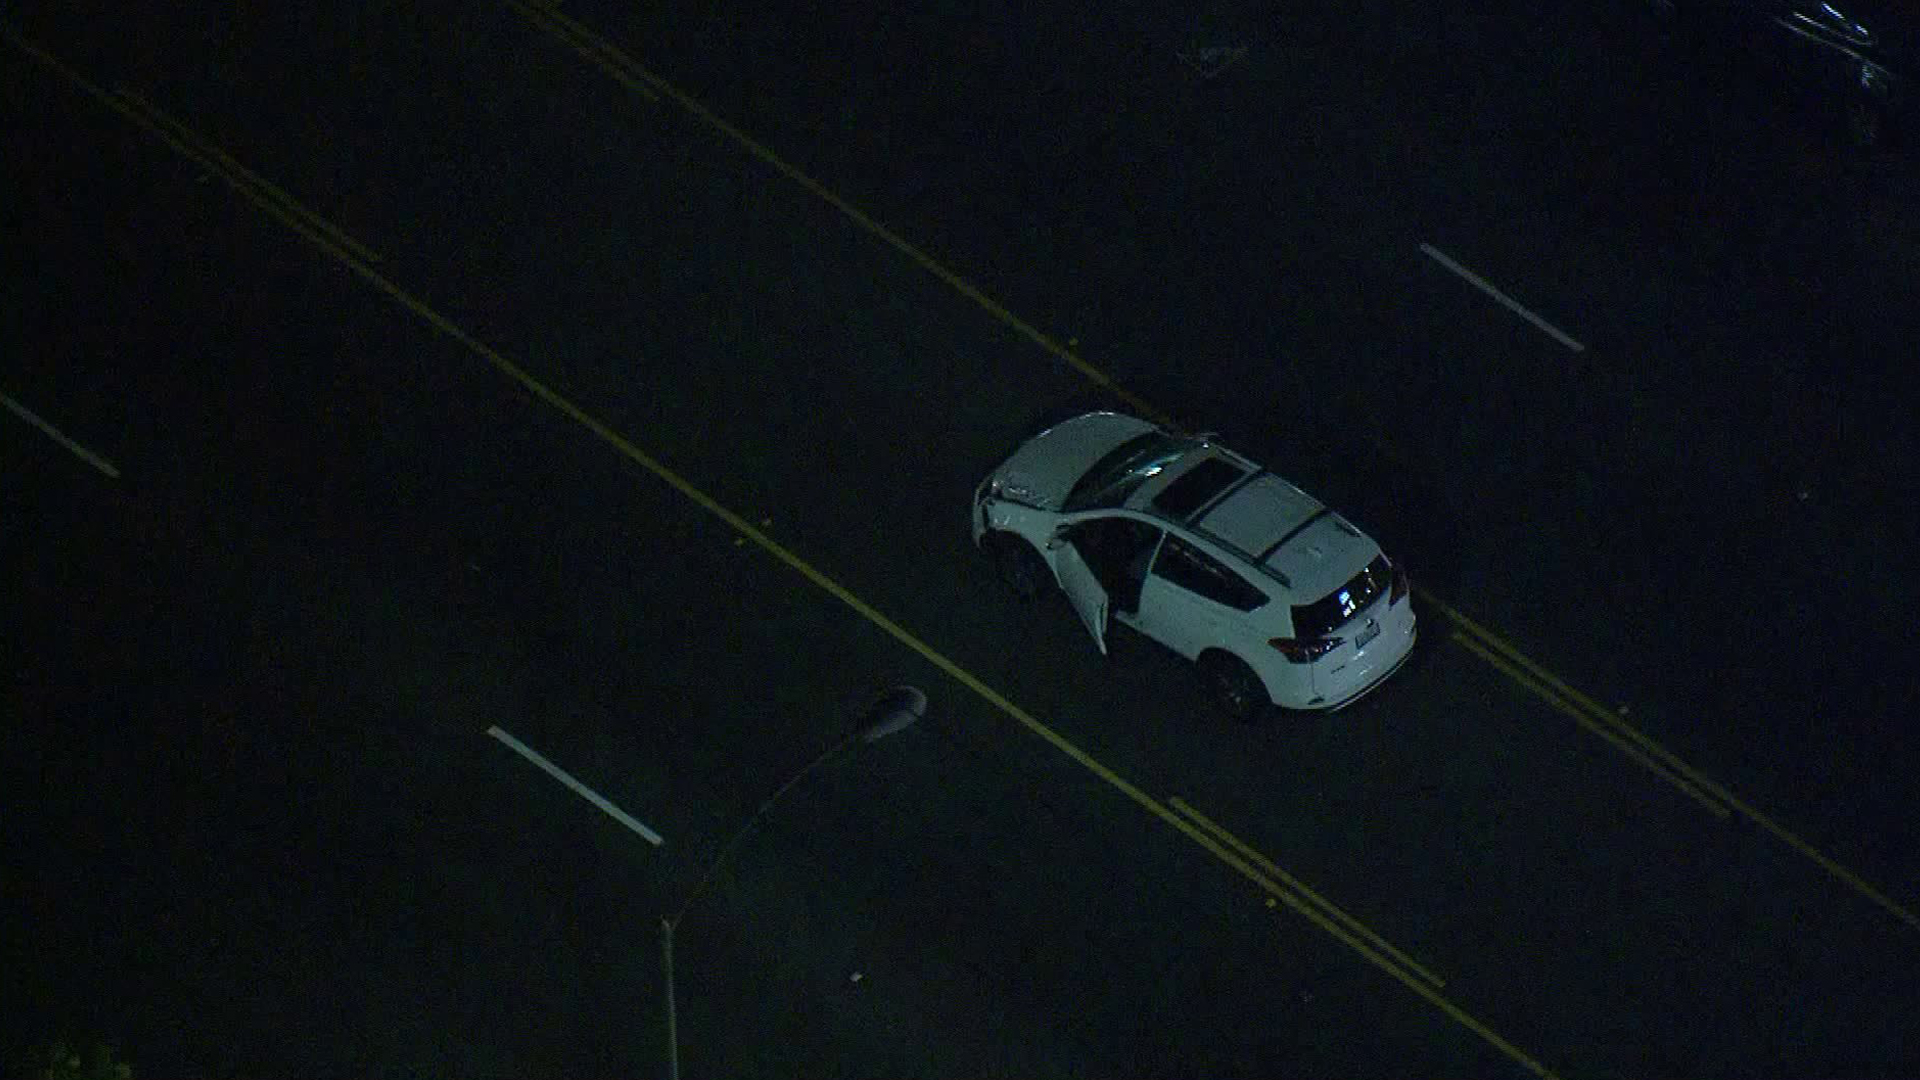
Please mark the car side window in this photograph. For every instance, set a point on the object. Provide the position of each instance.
(1194, 570)
(1115, 548)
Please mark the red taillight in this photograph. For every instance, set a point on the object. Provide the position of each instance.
(1304, 650)
(1400, 586)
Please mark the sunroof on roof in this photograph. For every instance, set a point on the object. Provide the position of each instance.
(1192, 489)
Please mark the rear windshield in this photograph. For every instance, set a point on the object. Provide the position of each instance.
(1124, 469)
(1337, 609)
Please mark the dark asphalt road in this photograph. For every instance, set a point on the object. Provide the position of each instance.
(256, 827)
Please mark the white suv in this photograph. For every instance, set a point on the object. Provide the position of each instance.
(1276, 598)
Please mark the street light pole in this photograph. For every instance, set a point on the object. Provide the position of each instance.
(889, 711)
(673, 1014)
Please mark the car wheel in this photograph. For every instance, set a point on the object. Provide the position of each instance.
(1021, 568)
(1235, 689)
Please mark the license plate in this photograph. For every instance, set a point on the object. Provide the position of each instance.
(1372, 631)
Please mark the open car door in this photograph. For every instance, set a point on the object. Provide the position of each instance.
(1083, 589)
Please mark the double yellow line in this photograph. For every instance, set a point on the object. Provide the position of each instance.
(1657, 759)
(597, 50)
(1582, 709)
(1237, 855)
(630, 72)
(1276, 881)
(258, 189)
(1591, 716)
(1261, 871)
(251, 184)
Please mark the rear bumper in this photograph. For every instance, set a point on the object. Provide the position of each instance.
(1377, 677)
(1373, 675)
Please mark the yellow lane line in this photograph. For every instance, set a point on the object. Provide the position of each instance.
(1247, 851)
(1539, 690)
(261, 183)
(344, 255)
(598, 51)
(636, 70)
(249, 183)
(1106, 382)
(1646, 748)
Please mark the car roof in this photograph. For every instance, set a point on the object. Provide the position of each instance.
(1268, 522)
(1322, 555)
(1259, 516)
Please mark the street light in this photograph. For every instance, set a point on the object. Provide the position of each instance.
(889, 711)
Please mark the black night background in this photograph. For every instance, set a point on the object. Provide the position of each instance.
(618, 376)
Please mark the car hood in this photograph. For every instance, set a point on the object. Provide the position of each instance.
(1044, 469)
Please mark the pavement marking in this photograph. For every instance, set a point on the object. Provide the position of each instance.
(1652, 749)
(55, 434)
(310, 227)
(182, 140)
(1248, 852)
(1146, 409)
(1106, 382)
(892, 239)
(1540, 690)
(1509, 302)
(577, 787)
(260, 183)
(258, 190)
(597, 50)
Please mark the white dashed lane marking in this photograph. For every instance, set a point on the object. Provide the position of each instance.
(1506, 301)
(55, 434)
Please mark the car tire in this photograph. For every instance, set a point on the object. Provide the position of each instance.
(1021, 568)
(1233, 686)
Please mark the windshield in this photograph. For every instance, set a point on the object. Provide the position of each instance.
(1331, 612)
(1197, 487)
(1124, 469)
